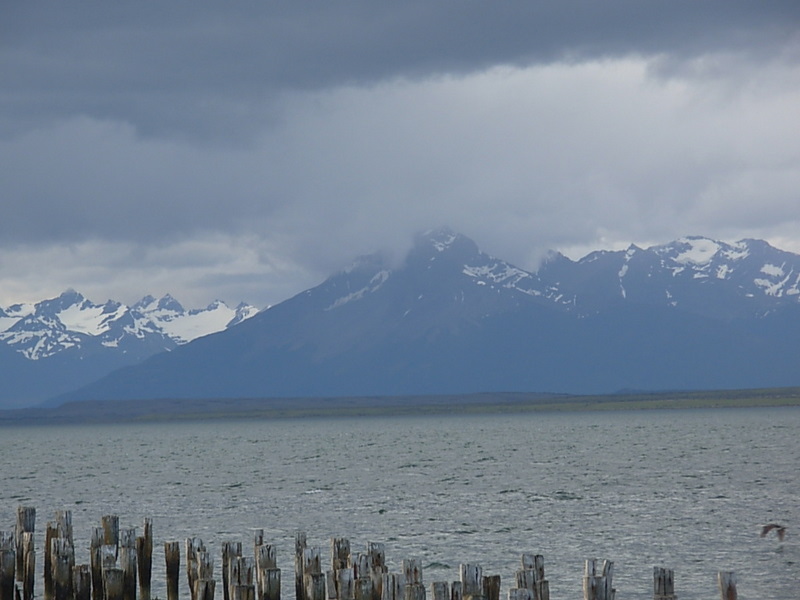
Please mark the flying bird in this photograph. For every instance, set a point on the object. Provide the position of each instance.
(779, 529)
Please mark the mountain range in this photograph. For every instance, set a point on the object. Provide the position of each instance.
(52, 346)
(692, 314)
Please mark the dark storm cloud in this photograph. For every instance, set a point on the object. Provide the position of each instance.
(200, 69)
(246, 150)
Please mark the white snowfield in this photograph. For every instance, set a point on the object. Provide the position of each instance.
(51, 326)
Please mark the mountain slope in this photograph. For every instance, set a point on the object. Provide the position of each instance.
(693, 314)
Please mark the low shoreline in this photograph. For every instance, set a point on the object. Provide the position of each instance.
(166, 410)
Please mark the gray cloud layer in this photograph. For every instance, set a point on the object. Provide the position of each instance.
(270, 143)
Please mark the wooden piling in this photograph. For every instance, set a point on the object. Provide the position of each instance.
(230, 551)
(62, 560)
(597, 580)
(113, 583)
(268, 575)
(110, 525)
(456, 591)
(377, 557)
(414, 591)
(340, 553)
(491, 587)
(193, 546)
(8, 564)
(299, 578)
(663, 584)
(314, 586)
(242, 569)
(144, 559)
(29, 565)
(362, 590)
(440, 590)
(344, 580)
(258, 541)
(81, 582)
(471, 581)
(26, 523)
(172, 558)
(96, 562)
(128, 562)
(727, 585)
(50, 534)
(531, 577)
(204, 589)
(270, 584)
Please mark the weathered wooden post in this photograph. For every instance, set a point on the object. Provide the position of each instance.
(491, 587)
(663, 584)
(144, 559)
(315, 586)
(258, 541)
(531, 577)
(26, 523)
(456, 591)
(377, 555)
(299, 576)
(29, 563)
(268, 575)
(110, 525)
(113, 583)
(440, 590)
(8, 563)
(270, 584)
(96, 562)
(205, 589)
(363, 588)
(313, 577)
(471, 581)
(63, 558)
(241, 574)
(81, 582)
(230, 552)
(344, 584)
(392, 586)
(64, 525)
(412, 572)
(340, 553)
(520, 594)
(193, 546)
(172, 558)
(50, 534)
(127, 561)
(597, 580)
(727, 585)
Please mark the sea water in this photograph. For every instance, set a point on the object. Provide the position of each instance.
(682, 489)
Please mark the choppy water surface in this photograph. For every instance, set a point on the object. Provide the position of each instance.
(687, 490)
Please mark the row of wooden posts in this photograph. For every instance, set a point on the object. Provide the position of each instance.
(120, 560)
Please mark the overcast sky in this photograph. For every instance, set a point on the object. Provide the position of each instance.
(245, 151)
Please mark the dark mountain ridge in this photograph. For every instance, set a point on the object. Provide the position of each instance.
(693, 314)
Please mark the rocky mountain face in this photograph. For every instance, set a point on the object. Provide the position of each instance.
(48, 347)
(692, 314)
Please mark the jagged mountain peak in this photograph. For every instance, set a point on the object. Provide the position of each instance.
(71, 322)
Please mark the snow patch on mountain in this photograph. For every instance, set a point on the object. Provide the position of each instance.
(57, 324)
(698, 251)
(374, 284)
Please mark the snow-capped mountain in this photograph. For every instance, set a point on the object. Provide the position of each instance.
(72, 322)
(691, 314)
(748, 278)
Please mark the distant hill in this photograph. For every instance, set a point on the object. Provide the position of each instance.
(692, 314)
